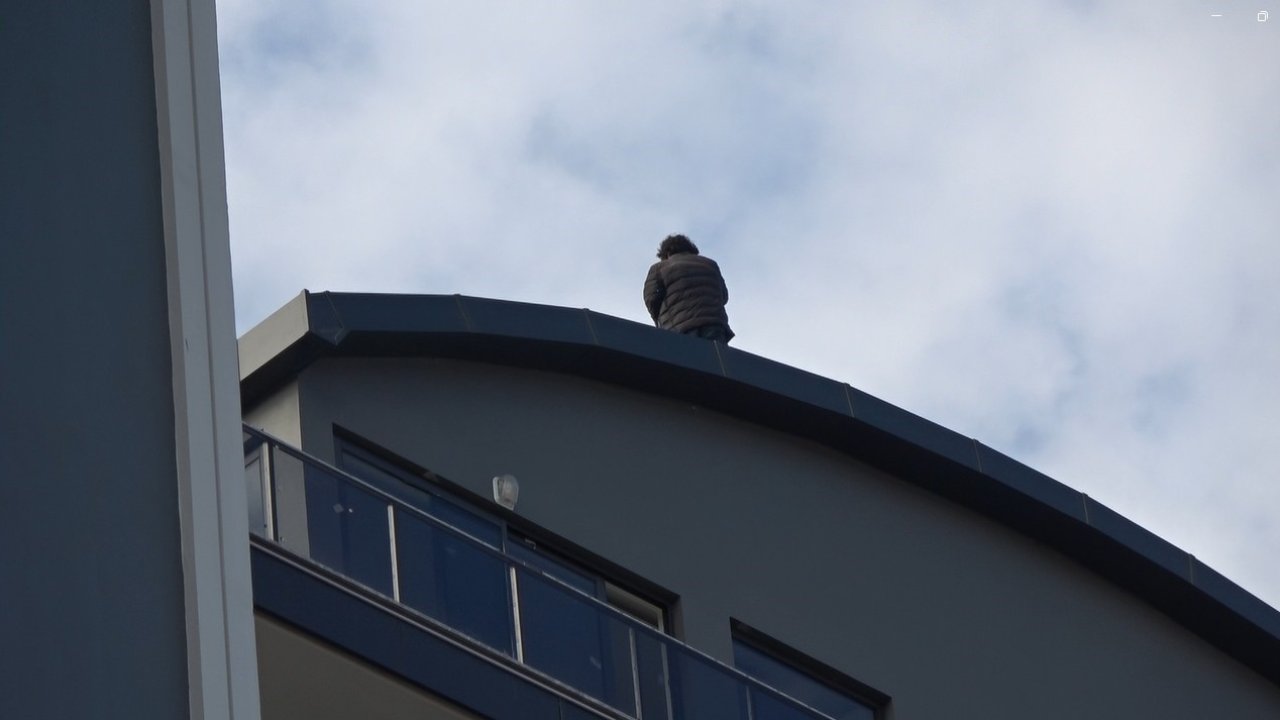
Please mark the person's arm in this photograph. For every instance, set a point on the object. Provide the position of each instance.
(654, 292)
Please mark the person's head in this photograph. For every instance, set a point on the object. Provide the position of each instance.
(674, 245)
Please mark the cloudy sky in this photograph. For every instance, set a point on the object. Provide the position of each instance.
(1052, 226)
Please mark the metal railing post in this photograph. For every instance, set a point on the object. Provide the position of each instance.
(395, 558)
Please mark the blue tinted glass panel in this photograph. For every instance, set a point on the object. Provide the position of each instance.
(347, 529)
(472, 524)
(253, 491)
(397, 485)
(325, 515)
(380, 478)
(701, 690)
(453, 580)
(517, 548)
(651, 669)
(766, 706)
(569, 638)
(569, 711)
(799, 685)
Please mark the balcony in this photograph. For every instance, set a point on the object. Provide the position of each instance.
(400, 556)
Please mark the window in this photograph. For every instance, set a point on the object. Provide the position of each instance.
(572, 574)
(501, 585)
(401, 484)
(429, 496)
(818, 686)
(413, 488)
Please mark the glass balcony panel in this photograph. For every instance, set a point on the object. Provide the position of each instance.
(433, 505)
(517, 548)
(569, 711)
(651, 669)
(450, 579)
(703, 690)
(467, 521)
(254, 483)
(799, 685)
(576, 641)
(290, 502)
(333, 520)
(619, 665)
(347, 529)
(766, 706)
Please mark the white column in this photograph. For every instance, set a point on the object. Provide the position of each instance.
(221, 658)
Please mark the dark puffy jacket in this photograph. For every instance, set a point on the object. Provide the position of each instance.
(685, 292)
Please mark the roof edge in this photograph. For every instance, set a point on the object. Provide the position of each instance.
(264, 342)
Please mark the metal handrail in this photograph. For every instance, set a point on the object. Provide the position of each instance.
(442, 630)
(256, 438)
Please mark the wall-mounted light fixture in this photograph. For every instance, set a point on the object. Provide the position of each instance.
(506, 490)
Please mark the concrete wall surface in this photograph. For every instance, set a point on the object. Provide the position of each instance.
(124, 567)
(91, 605)
(946, 611)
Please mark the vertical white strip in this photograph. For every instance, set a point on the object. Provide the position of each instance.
(666, 677)
(515, 613)
(395, 559)
(635, 671)
(222, 673)
(268, 490)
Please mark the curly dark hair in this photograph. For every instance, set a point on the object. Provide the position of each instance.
(674, 245)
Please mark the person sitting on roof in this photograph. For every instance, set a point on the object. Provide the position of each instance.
(685, 291)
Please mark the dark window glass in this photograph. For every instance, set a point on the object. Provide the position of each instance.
(347, 528)
(522, 549)
(452, 580)
(397, 483)
(447, 577)
(570, 711)
(701, 690)
(575, 642)
(253, 492)
(651, 672)
(766, 706)
(794, 683)
(408, 487)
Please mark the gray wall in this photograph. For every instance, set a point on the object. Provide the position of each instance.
(91, 610)
(951, 614)
(279, 415)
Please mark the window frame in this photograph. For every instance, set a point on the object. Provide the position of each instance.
(820, 673)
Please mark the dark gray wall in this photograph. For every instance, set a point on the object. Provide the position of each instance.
(280, 414)
(91, 605)
(948, 612)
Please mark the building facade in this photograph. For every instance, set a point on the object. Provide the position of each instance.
(699, 533)
(124, 579)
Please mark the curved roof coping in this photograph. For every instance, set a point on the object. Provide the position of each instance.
(601, 347)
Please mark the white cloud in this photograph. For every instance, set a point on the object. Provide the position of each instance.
(1048, 225)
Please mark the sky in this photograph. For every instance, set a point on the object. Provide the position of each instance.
(1052, 226)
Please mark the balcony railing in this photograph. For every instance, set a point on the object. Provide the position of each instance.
(401, 552)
